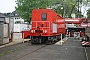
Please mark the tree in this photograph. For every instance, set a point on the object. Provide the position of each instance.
(69, 7)
(88, 13)
(25, 7)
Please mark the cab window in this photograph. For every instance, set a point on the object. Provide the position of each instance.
(44, 16)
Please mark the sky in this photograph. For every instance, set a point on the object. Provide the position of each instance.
(84, 10)
(7, 6)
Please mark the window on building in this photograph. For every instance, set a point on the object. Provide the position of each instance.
(18, 22)
(16, 14)
(44, 16)
(17, 18)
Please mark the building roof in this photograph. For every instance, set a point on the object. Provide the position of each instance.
(12, 14)
(1, 15)
(2, 18)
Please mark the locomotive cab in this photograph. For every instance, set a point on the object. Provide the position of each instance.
(46, 26)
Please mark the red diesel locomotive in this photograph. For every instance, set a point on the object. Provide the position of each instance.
(47, 26)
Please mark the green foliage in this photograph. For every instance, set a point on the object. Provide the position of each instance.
(25, 7)
(69, 7)
(88, 13)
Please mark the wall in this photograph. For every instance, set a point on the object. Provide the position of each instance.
(19, 27)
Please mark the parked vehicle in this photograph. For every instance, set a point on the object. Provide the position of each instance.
(47, 26)
(77, 31)
(72, 25)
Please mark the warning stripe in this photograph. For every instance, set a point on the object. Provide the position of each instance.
(85, 43)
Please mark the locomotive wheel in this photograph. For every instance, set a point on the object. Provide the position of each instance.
(32, 42)
(47, 43)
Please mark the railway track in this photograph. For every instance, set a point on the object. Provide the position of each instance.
(20, 58)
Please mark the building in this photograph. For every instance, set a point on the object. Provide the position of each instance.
(2, 17)
(15, 16)
(18, 23)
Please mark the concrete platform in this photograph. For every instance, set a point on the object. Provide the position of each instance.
(15, 41)
(70, 50)
(17, 38)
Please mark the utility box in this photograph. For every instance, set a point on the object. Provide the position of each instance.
(4, 30)
(11, 29)
(4, 33)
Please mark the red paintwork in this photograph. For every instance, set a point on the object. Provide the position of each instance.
(82, 33)
(75, 20)
(52, 17)
(85, 24)
(26, 34)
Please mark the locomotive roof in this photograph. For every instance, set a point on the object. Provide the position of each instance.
(46, 10)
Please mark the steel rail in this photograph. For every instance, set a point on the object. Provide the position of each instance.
(31, 52)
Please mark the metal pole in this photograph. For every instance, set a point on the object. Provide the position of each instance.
(61, 39)
(78, 8)
(23, 37)
(69, 34)
(64, 11)
(66, 34)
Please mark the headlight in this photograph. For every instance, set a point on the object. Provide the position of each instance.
(32, 31)
(45, 31)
